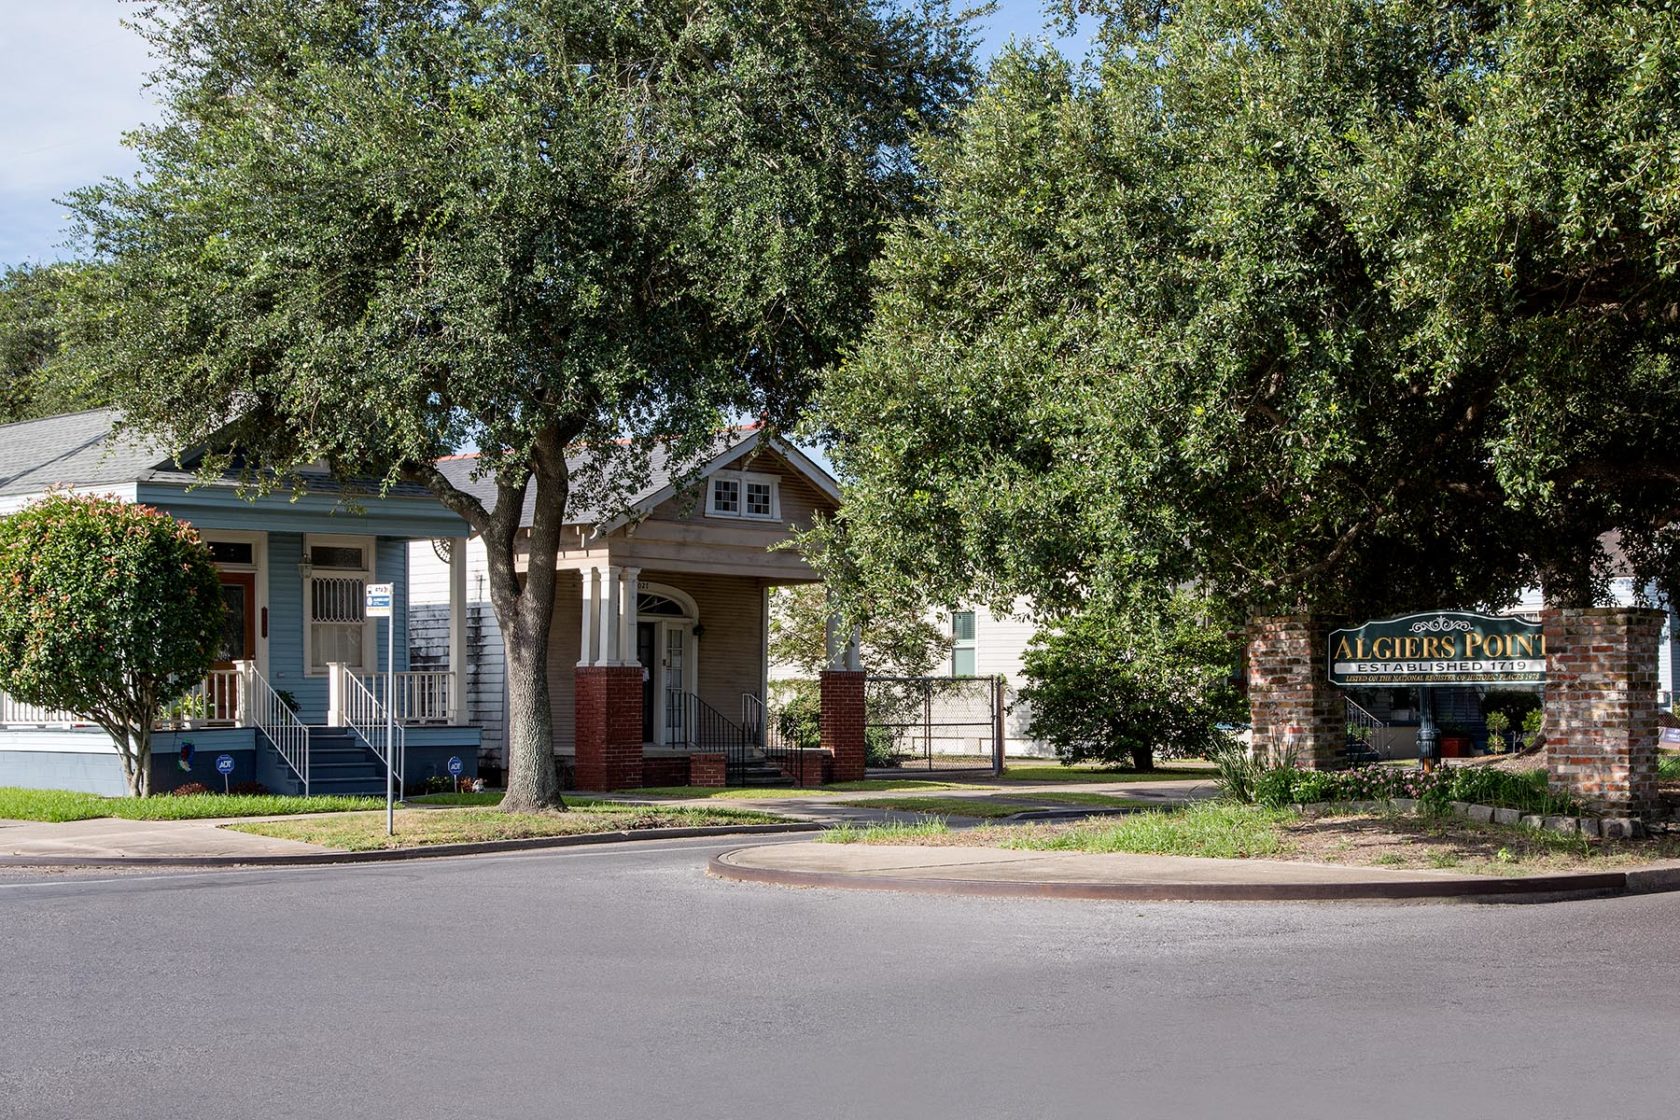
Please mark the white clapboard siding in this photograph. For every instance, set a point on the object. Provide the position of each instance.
(429, 635)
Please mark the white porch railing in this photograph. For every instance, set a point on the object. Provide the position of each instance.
(350, 704)
(261, 707)
(15, 713)
(218, 699)
(419, 697)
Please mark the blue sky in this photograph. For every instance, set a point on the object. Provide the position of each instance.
(71, 85)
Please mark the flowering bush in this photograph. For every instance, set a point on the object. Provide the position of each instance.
(109, 610)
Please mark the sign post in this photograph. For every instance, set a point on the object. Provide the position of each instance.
(379, 597)
(1435, 649)
(224, 767)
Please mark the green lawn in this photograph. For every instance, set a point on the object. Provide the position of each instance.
(998, 805)
(1107, 774)
(942, 806)
(870, 785)
(64, 805)
(1213, 830)
(360, 832)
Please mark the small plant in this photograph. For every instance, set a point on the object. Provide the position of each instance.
(1498, 723)
(1238, 771)
(1533, 723)
(1504, 855)
(286, 697)
(184, 708)
(248, 789)
(190, 789)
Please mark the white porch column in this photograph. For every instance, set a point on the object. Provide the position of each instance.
(245, 691)
(612, 620)
(627, 616)
(854, 650)
(591, 614)
(458, 631)
(831, 643)
(603, 614)
(335, 694)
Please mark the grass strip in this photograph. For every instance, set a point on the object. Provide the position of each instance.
(362, 832)
(942, 806)
(1108, 774)
(65, 805)
(734, 793)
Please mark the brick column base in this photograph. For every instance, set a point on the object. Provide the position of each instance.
(843, 723)
(708, 770)
(1601, 705)
(609, 726)
(1294, 707)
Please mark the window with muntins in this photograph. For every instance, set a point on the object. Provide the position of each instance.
(335, 601)
(755, 497)
(962, 644)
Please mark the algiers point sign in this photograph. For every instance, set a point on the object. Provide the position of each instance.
(1439, 647)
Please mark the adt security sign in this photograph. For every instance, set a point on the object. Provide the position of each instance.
(379, 600)
(455, 766)
(224, 764)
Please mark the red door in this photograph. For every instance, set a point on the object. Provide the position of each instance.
(239, 643)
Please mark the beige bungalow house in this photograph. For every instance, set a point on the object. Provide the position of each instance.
(663, 601)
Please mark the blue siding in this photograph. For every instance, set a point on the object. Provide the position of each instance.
(391, 566)
(216, 507)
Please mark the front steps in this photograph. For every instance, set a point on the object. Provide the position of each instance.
(339, 764)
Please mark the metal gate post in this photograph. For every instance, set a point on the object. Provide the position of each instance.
(997, 727)
(927, 721)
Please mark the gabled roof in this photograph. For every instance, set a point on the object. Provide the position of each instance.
(79, 449)
(74, 449)
(666, 478)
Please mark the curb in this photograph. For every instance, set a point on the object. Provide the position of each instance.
(393, 855)
(1539, 888)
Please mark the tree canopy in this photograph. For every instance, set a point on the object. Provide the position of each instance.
(108, 610)
(1337, 306)
(905, 644)
(33, 381)
(373, 232)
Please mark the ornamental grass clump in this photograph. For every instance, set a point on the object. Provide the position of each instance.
(1284, 785)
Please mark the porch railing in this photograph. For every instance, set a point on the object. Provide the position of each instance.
(764, 727)
(263, 709)
(16, 713)
(705, 730)
(365, 714)
(217, 699)
(418, 697)
(1367, 736)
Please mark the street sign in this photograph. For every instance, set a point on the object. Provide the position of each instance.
(379, 596)
(455, 766)
(224, 764)
(1439, 648)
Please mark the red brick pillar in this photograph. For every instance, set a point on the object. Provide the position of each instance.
(1601, 705)
(609, 726)
(843, 722)
(1293, 706)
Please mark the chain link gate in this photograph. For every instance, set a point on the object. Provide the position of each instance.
(935, 723)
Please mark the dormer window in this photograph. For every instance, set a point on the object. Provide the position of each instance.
(755, 497)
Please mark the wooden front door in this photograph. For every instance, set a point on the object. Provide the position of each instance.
(239, 642)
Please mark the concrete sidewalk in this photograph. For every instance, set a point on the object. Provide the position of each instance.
(111, 838)
(1013, 873)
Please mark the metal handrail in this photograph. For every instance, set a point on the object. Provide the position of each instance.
(1359, 717)
(268, 713)
(705, 730)
(364, 714)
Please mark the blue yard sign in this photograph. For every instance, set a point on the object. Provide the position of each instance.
(224, 764)
(455, 766)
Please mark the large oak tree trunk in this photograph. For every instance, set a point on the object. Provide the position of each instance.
(532, 782)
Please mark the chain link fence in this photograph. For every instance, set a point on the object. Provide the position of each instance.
(935, 723)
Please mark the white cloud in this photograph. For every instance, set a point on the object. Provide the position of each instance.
(70, 85)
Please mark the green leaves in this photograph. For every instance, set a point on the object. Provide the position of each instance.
(108, 610)
(1343, 307)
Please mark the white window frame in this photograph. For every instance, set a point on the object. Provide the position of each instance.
(972, 644)
(370, 562)
(741, 479)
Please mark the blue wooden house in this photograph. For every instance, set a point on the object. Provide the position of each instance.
(299, 697)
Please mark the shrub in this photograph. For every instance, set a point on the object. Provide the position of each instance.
(108, 610)
(1279, 786)
(1120, 682)
(189, 789)
(248, 789)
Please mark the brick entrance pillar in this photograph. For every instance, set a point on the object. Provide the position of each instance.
(609, 726)
(1601, 705)
(843, 722)
(1293, 705)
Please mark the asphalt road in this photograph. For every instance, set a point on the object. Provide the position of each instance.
(602, 983)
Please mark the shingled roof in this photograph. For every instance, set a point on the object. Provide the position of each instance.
(74, 449)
